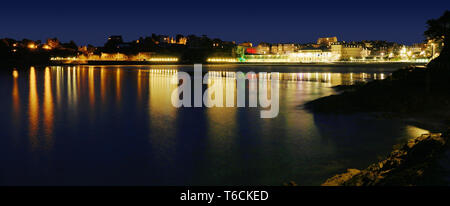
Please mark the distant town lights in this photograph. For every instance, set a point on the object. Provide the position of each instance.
(47, 47)
(32, 46)
(222, 60)
(160, 59)
(163, 59)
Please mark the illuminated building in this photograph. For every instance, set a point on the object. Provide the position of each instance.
(114, 56)
(167, 40)
(163, 59)
(263, 48)
(52, 43)
(182, 40)
(307, 55)
(349, 51)
(47, 47)
(218, 59)
(32, 46)
(282, 48)
(276, 49)
(313, 55)
(327, 41)
(141, 56)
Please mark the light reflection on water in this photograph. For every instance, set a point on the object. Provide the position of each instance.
(48, 108)
(73, 125)
(33, 109)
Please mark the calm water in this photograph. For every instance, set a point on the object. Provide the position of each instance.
(115, 125)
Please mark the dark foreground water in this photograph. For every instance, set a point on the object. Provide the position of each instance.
(115, 125)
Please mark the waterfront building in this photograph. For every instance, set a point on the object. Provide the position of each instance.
(288, 48)
(276, 49)
(282, 48)
(349, 51)
(263, 48)
(113, 56)
(304, 55)
(311, 55)
(142, 56)
(268, 58)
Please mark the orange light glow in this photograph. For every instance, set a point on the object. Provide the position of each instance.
(15, 74)
(48, 109)
(118, 85)
(16, 97)
(103, 84)
(33, 110)
(46, 47)
(91, 87)
(32, 46)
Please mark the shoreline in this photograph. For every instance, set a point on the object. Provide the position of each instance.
(318, 65)
(394, 64)
(406, 96)
(418, 162)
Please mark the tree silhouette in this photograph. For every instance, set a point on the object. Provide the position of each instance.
(439, 29)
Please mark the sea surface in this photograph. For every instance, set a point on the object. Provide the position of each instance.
(116, 125)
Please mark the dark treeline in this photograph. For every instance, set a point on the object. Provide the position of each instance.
(28, 52)
(188, 49)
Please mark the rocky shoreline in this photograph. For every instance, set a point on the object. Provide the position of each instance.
(414, 163)
(415, 95)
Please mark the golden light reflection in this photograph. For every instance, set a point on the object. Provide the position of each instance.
(222, 121)
(48, 108)
(59, 83)
(139, 86)
(91, 87)
(16, 98)
(332, 79)
(118, 86)
(72, 88)
(69, 86)
(413, 131)
(33, 110)
(230, 89)
(215, 89)
(103, 84)
(160, 88)
(161, 111)
(78, 83)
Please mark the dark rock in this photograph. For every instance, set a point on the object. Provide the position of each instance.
(415, 163)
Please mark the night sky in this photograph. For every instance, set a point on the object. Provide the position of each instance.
(91, 22)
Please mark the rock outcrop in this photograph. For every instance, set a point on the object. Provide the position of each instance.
(415, 163)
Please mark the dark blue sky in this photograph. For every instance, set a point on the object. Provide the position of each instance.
(269, 21)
